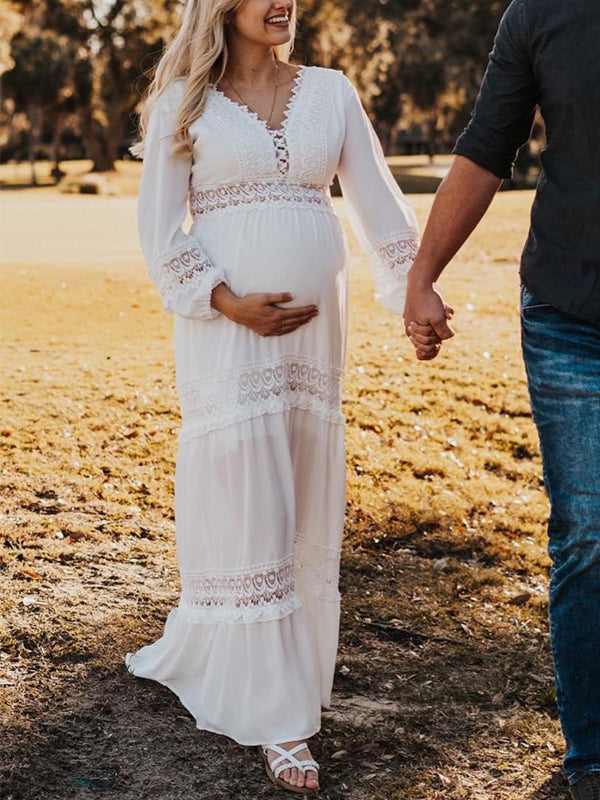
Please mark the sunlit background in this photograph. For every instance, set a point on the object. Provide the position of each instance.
(444, 685)
(74, 71)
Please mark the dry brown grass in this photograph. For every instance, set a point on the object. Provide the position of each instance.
(444, 686)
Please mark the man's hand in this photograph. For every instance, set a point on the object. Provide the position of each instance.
(426, 319)
(460, 202)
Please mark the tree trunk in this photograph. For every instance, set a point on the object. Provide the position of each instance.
(94, 137)
(55, 146)
(103, 142)
(34, 115)
(432, 137)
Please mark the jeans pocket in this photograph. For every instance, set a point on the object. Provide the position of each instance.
(531, 302)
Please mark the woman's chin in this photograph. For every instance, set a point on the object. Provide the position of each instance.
(272, 41)
(279, 36)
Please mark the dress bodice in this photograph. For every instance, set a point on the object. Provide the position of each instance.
(239, 164)
(232, 144)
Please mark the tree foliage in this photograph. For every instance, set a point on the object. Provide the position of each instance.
(417, 63)
(36, 82)
(110, 44)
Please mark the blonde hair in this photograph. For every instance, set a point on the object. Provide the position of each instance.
(198, 53)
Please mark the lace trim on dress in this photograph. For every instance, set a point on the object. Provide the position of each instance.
(391, 259)
(228, 196)
(282, 153)
(183, 267)
(298, 78)
(260, 592)
(278, 135)
(398, 252)
(310, 152)
(266, 387)
(264, 591)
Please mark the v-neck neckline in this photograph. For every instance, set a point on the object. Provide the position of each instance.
(248, 112)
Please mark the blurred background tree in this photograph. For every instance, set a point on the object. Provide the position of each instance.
(417, 63)
(105, 46)
(82, 64)
(37, 81)
(10, 23)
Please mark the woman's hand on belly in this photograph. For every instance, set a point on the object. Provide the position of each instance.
(260, 311)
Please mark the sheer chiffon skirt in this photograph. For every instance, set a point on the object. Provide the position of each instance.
(250, 650)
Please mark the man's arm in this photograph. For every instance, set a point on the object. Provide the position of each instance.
(485, 153)
(461, 201)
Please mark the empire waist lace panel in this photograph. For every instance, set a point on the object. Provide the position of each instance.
(205, 200)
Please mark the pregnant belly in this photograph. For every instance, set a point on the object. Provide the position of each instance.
(278, 250)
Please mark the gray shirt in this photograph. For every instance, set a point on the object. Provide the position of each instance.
(547, 53)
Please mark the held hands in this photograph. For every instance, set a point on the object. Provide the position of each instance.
(426, 320)
(260, 311)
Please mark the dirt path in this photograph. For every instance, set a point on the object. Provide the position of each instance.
(444, 684)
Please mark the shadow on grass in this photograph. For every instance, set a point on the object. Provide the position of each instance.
(554, 787)
(430, 538)
(5, 186)
(416, 717)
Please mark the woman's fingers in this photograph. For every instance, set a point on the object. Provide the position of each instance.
(285, 329)
(428, 353)
(423, 330)
(273, 299)
(417, 339)
(419, 328)
(423, 335)
(294, 314)
(289, 319)
(280, 297)
(290, 325)
(425, 339)
(296, 320)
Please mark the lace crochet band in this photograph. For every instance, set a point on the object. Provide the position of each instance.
(399, 252)
(237, 394)
(185, 267)
(257, 193)
(262, 591)
(391, 259)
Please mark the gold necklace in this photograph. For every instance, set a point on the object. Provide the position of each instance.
(274, 93)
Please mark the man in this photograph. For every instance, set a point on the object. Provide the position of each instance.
(546, 53)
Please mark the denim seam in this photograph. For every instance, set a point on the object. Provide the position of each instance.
(574, 775)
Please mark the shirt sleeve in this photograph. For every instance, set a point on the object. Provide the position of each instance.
(176, 261)
(505, 107)
(380, 215)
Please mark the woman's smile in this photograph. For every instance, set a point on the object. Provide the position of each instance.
(278, 21)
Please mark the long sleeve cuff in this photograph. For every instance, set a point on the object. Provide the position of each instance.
(185, 279)
(391, 259)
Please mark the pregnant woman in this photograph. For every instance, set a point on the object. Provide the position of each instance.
(259, 292)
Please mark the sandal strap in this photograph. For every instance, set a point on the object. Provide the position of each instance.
(309, 764)
(286, 759)
(282, 768)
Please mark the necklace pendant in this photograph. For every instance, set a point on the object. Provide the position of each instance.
(274, 95)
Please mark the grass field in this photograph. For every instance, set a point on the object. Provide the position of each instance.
(444, 685)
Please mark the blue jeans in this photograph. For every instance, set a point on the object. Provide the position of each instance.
(562, 360)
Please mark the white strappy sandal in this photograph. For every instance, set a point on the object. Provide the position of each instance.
(286, 760)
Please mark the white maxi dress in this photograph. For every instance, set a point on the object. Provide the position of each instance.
(250, 648)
